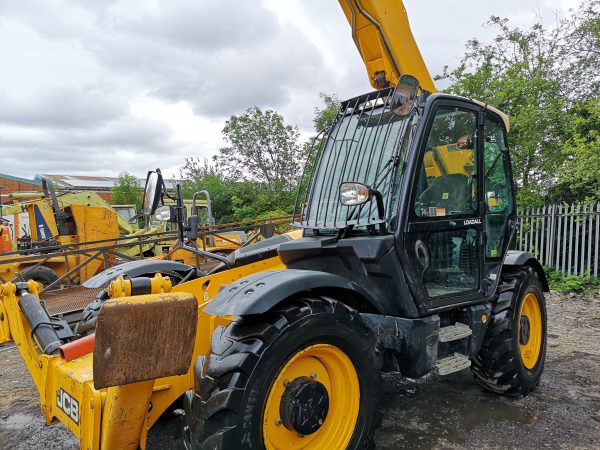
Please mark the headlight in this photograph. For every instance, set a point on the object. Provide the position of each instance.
(352, 194)
(165, 213)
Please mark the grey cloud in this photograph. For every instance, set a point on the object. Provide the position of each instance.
(129, 133)
(216, 65)
(63, 106)
(219, 57)
(208, 25)
(127, 144)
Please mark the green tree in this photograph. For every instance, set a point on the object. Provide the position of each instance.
(127, 191)
(261, 148)
(530, 74)
(326, 113)
(196, 175)
(581, 52)
(580, 172)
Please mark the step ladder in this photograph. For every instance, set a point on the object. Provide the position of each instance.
(454, 332)
(451, 364)
(457, 361)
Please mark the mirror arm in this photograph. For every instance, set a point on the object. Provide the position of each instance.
(164, 186)
(134, 219)
(380, 209)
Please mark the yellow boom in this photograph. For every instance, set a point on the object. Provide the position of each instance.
(382, 34)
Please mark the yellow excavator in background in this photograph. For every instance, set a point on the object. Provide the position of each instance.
(56, 221)
(401, 266)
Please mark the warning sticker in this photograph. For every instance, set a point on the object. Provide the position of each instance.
(445, 195)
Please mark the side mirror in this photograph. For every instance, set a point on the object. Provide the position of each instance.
(152, 192)
(404, 96)
(192, 233)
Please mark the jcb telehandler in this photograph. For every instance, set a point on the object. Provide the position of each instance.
(407, 213)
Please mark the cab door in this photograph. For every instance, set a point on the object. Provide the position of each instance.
(499, 201)
(444, 233)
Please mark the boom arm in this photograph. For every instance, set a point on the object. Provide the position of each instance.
(381, 32)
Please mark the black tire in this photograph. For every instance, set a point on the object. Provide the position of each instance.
(89, 316)
(499, 367)
(43, 274)
(225, 410)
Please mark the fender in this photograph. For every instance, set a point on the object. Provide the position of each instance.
(134, 269)
(519, 258)
(260, 292)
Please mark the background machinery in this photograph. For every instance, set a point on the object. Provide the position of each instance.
(407, 216)
(52, 222)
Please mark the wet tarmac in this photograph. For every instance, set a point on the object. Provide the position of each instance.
(450, 412)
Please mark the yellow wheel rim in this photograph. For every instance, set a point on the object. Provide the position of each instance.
(331, 367)
(530, 312)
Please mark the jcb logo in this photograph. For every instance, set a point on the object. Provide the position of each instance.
(68, 405)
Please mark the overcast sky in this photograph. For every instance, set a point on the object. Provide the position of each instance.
(98, 87)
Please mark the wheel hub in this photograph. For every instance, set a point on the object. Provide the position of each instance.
(304, 405)
(525, 328)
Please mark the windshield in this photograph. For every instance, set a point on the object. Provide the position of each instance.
(366, 145)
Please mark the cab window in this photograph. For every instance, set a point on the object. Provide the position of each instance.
(447, 178)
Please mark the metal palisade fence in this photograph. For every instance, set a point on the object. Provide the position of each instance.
(564, 237)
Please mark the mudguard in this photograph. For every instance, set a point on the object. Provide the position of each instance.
(519, 258)
(134, 269)
(260, 292)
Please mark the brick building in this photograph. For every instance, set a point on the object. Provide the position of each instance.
(11, 184)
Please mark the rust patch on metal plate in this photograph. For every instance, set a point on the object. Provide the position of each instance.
(144, 337)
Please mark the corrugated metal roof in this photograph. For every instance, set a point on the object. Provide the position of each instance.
(20, 180)
(93, 182)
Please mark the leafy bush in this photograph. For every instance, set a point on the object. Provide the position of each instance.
(559, 281)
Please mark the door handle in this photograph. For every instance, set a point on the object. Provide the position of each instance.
(422, 253)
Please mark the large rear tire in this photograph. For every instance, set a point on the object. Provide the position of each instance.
(43, 274)
(304, 376)
(511, 359)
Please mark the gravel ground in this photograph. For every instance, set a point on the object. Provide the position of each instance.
(434, 412)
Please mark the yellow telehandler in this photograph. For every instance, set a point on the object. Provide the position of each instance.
(406, 216)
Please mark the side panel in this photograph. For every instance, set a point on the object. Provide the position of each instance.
(260, 292)
(94, 224)
(42, 221)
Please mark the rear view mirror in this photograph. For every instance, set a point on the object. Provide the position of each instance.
(404, 95)
(152, 192)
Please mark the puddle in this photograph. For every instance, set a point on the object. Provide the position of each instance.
(16, 420)
(440, 412)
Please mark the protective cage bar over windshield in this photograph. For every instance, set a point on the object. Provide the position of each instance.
(364, 145)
